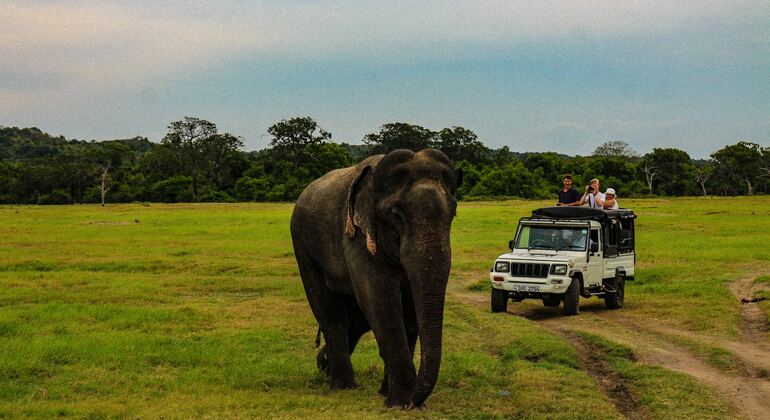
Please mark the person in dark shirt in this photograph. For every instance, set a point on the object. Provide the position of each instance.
(568, 196)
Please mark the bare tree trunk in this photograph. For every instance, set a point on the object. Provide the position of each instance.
(748, 185)
(104, 186)
(649, 172)
(701, 176)
(650, 177)
(105, 182)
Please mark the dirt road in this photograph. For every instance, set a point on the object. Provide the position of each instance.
(656, 343)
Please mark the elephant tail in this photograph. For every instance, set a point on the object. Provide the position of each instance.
(318, 338)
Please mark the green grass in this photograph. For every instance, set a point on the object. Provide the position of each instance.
(198, 310)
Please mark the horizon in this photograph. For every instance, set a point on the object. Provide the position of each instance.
(535, 77)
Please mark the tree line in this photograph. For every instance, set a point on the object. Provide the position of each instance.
(194, 162)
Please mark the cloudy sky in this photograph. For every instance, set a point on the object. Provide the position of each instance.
(533, 75)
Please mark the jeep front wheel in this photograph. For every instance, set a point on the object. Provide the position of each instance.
(614, 300)
(499, 300)
(572, 298)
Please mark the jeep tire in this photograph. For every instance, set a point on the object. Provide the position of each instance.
(572, 298)
(614, 300)
(499, 300)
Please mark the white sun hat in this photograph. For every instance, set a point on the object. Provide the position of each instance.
(610, 191)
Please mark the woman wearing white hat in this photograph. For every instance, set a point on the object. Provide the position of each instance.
(610, 200)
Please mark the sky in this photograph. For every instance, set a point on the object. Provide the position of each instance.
(533, 75)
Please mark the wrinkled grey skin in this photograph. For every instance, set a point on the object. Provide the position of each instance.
(372, 245)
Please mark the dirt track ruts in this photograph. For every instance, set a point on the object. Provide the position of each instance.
(611, 384)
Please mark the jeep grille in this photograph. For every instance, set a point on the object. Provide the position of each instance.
(529, 270)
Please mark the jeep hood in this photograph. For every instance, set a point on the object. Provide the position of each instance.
(541, 255)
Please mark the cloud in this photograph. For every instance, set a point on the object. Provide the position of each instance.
(103, 44)
(107, 44)
(83, 62)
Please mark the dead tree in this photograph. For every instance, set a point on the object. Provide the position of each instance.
(106, 181)
(649, 173)
(702, 175)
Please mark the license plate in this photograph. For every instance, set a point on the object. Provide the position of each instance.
(527, 288)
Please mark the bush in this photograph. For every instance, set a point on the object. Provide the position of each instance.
(252, 189)
(55, 197)
(171, 190)
(216, 197)
(93, 195)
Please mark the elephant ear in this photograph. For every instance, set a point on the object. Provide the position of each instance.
(457, 181)
(359, 212)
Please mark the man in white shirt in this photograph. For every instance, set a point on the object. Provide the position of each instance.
(593, 195)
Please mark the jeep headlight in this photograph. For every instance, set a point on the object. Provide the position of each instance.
(559, 269)
(502, 267)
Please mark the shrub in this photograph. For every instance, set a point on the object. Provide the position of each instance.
(55, 197)
(172, 190)
(216, 197)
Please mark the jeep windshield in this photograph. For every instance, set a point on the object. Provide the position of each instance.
(558, 238)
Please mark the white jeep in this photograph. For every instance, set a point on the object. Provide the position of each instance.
(562, 253)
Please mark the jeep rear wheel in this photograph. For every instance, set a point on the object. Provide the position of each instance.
(614, 300)
(499, 300)
(572, 298)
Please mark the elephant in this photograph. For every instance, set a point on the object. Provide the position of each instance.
(372, 242)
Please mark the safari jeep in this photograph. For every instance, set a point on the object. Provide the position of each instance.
(562, 253)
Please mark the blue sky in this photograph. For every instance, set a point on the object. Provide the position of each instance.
(536, 76)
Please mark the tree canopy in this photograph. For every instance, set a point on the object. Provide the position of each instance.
(615, 148)
(195, 162)
(199, 148)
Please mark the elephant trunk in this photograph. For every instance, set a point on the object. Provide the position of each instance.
(428, 272)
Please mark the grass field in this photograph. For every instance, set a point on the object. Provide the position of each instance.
(198, 311)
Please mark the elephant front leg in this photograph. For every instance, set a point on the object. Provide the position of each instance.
(381, 302)
(410, 326)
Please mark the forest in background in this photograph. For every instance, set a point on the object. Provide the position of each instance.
(194, 162)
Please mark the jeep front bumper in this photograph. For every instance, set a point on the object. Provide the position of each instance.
(552, 284)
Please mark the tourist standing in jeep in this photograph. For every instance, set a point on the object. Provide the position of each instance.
(593, 195)
(568, 195)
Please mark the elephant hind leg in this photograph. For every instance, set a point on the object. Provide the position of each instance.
(331, 313)
(322, 360)
(337, 357)
(358, 325)
(385, 385)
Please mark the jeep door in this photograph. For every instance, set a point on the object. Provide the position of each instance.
(595, 260)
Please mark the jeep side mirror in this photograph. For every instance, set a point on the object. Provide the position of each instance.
(594, 247)
(510, 244)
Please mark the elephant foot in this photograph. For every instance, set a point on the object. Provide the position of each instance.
(344, 383)
(398, 399)
(413, 406)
